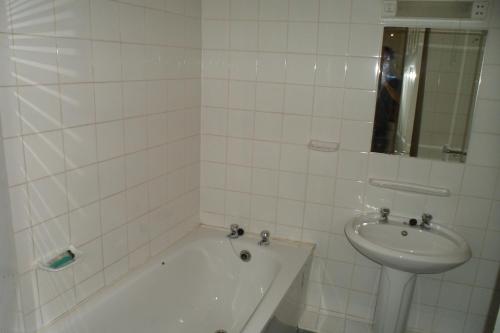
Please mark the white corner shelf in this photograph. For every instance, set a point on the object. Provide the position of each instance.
(410, 187)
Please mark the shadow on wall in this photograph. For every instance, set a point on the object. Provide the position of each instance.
(41, 64)
(38, 63)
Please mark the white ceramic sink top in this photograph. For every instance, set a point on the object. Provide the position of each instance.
(420, 251)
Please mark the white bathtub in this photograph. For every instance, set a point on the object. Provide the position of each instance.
(198, 285)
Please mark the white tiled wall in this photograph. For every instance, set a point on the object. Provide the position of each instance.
(100, 120)
(277, 73)
(101, 125)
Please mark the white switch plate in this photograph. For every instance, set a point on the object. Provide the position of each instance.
(479, 10)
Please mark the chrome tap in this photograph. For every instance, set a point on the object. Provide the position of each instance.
(426, 221)
(265, 235)
(384, 214)
(235, 231)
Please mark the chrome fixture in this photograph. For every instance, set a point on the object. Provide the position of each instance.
(426, 221)
(265, 235)
(245, 255)
(384, 214)
(235, 231)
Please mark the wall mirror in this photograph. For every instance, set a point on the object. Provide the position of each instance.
(428, 80)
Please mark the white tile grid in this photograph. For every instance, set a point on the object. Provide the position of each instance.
(121, 207)
(337, 291)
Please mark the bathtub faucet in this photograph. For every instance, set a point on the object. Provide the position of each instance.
(235, 231)
(265, 235)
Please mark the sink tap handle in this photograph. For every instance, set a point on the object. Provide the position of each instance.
(384, 213)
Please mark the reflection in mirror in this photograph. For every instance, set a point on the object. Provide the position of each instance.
(426, 93)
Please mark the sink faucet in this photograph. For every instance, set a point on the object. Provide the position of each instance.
(426, 221)
(235, 231)
(384, 214)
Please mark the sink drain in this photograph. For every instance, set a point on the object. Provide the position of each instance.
(221, 331)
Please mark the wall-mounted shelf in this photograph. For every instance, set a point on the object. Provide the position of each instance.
(410, 187)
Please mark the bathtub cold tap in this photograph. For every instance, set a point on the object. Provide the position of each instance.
(235, 231)
(384, 215)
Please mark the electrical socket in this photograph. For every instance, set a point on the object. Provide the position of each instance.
(479, 10)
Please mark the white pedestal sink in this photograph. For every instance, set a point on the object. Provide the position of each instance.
(403, 251)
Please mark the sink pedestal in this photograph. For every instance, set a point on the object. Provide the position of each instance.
(393, 300)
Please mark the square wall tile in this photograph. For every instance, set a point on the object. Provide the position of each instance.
(244, 10)
(132, 23)
(80, 146)
(303, 10)
(85, 224)
(335, 10)
(41, 51)
(77, 105)
(40, 110)
(273, 36)
(365, 40)
(333, 38)
(44, 154)
(9, 113)
(331, 71)
(276, 10)
(271, 67)
(302, 37)
(105, 22)
(48, 198)
(14, 160)
(72, 18)
(299, 99)
(362, 73)
(74, 60)
(107, 64)
(83, 186)
(244, 35)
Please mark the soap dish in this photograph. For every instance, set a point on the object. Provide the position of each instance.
(46, 263)
(323, 146)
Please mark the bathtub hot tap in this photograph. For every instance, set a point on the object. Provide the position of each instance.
(235, 231)
(265, 235)
(426, 221)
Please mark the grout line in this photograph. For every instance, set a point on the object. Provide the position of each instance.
(252, 143)
(282, 129)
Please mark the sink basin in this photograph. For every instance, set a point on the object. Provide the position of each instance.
(408, 248)
(403, 251)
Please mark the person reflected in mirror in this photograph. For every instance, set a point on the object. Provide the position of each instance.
(388, 100)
